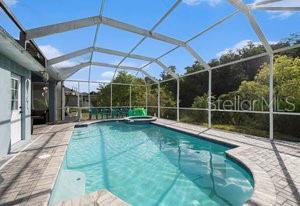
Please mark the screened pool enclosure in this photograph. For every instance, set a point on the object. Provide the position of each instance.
(166, 67)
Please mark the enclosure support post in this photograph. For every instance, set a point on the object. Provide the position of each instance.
(209, 98)
(177, 101)
(63, 100)
(111, 99)
(146, 96)
(78, 101)
(89, 96)
(158, 100)
(247, 11)
(130, 96)
(271, 127)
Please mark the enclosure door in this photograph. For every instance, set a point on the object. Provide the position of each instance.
(15, 122)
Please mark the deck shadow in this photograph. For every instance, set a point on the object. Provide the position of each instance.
(286, 173)
(25, 165)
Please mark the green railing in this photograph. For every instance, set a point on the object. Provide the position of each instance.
(137, 112)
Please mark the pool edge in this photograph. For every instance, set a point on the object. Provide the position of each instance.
(264, 189)
(87, 197)
(69, 134)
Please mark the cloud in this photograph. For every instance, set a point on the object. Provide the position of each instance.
(281, 15)
(107, 75)
(52, 52)
(235, 47)
(105, 80)
(11, 2)
(240, 45)
(197, 2)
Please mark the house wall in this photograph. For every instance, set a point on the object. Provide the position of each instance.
(7, 67)
(55, 100)
(52, 100)
(59, 101)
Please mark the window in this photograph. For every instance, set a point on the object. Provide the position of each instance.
(14, 94)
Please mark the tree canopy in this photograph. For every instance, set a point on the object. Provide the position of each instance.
(248, 80)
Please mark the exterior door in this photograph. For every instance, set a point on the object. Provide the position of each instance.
(15, 109)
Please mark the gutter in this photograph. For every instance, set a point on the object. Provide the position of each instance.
(10, 48)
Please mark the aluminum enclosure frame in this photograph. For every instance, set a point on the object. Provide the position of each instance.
(100, 19)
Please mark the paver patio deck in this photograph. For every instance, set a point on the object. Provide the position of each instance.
(28, 179)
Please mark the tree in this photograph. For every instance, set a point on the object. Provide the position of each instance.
(121, 93)
(170, 86)
(201, 101)
(286, 83)
(194, 85)
(286, 76)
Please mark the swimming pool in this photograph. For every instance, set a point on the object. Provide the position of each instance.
(150, 165)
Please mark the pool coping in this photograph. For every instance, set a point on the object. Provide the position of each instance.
(264, 189)
(264, 192)
(99, 197)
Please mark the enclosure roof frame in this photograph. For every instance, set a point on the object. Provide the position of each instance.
(68, 71)
(100, 19)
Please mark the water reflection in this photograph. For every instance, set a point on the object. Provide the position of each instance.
(151, 165)
(206, 157)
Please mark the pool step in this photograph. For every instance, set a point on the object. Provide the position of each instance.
(100, 197)
(70, 184)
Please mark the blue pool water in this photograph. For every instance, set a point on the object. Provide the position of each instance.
(150, 165)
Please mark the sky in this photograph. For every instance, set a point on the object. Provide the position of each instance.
(188, 19)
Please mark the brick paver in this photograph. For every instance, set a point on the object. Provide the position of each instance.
(29, 178)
